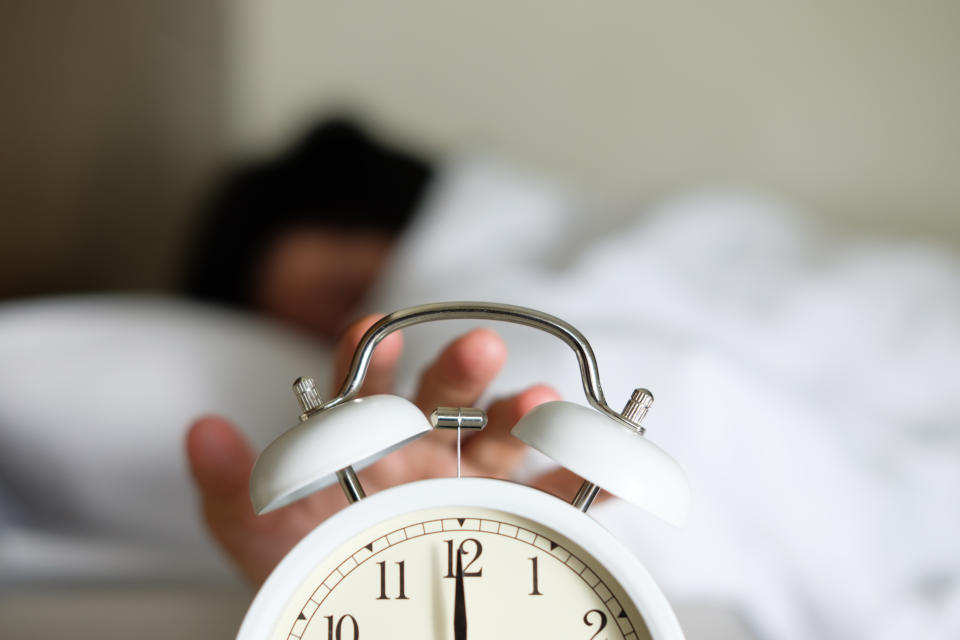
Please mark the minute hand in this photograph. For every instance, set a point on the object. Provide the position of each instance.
(459, 604)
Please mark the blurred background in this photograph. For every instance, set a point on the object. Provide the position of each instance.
(118, 118)
(118, 114)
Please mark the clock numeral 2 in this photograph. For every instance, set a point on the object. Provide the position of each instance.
(536, 582)
(586, 621)
(383, 582)
(477, 550)
(334, 632)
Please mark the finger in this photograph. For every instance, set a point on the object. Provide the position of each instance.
(221, 461)
(563, 484)
(494, 450)
(462, 371)
(383, 363)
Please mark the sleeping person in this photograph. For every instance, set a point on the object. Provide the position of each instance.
(303, 239)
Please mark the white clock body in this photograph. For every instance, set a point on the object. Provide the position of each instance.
(533, 566)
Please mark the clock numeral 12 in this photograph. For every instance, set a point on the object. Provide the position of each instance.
(383, 582)
(334, 631)
(536, 582)
(477, 551)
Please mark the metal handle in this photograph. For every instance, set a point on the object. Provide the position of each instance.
(481, 311)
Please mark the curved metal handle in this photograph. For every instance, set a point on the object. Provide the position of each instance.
(482, 311)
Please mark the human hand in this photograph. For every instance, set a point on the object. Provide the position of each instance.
(221, 459)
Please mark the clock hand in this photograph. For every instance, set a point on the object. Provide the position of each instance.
(459, 603)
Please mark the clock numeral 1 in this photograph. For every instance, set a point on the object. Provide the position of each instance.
(383, 582)
(586, 621)
(536, 582)
(477, 551)
(334, 632)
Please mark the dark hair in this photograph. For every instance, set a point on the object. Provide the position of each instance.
(336, 176)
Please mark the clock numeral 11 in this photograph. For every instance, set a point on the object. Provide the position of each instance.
(334, 632)
(383, 582)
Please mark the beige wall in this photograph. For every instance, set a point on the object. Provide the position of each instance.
(850, 107)
(108, 133)
(116, 113)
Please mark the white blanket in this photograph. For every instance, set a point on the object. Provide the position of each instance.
(807, 383)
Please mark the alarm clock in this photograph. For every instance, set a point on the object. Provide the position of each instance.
(457, 558)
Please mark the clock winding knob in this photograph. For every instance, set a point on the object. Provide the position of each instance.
(305, 389)
(636, 408)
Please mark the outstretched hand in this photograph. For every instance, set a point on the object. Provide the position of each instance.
(221, 459)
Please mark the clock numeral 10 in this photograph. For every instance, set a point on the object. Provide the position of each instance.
(536, 581)
(334, 632)
(383, 582)
(586, 621)
(477, 550)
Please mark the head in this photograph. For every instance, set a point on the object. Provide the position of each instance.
(303, 237)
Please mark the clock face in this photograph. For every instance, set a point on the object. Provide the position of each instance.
(452, 573)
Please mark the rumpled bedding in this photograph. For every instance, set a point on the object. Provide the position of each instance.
(808, 382)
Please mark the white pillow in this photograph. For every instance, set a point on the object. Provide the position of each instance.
(96, 394)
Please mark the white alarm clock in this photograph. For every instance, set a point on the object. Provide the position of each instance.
(458, 558)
